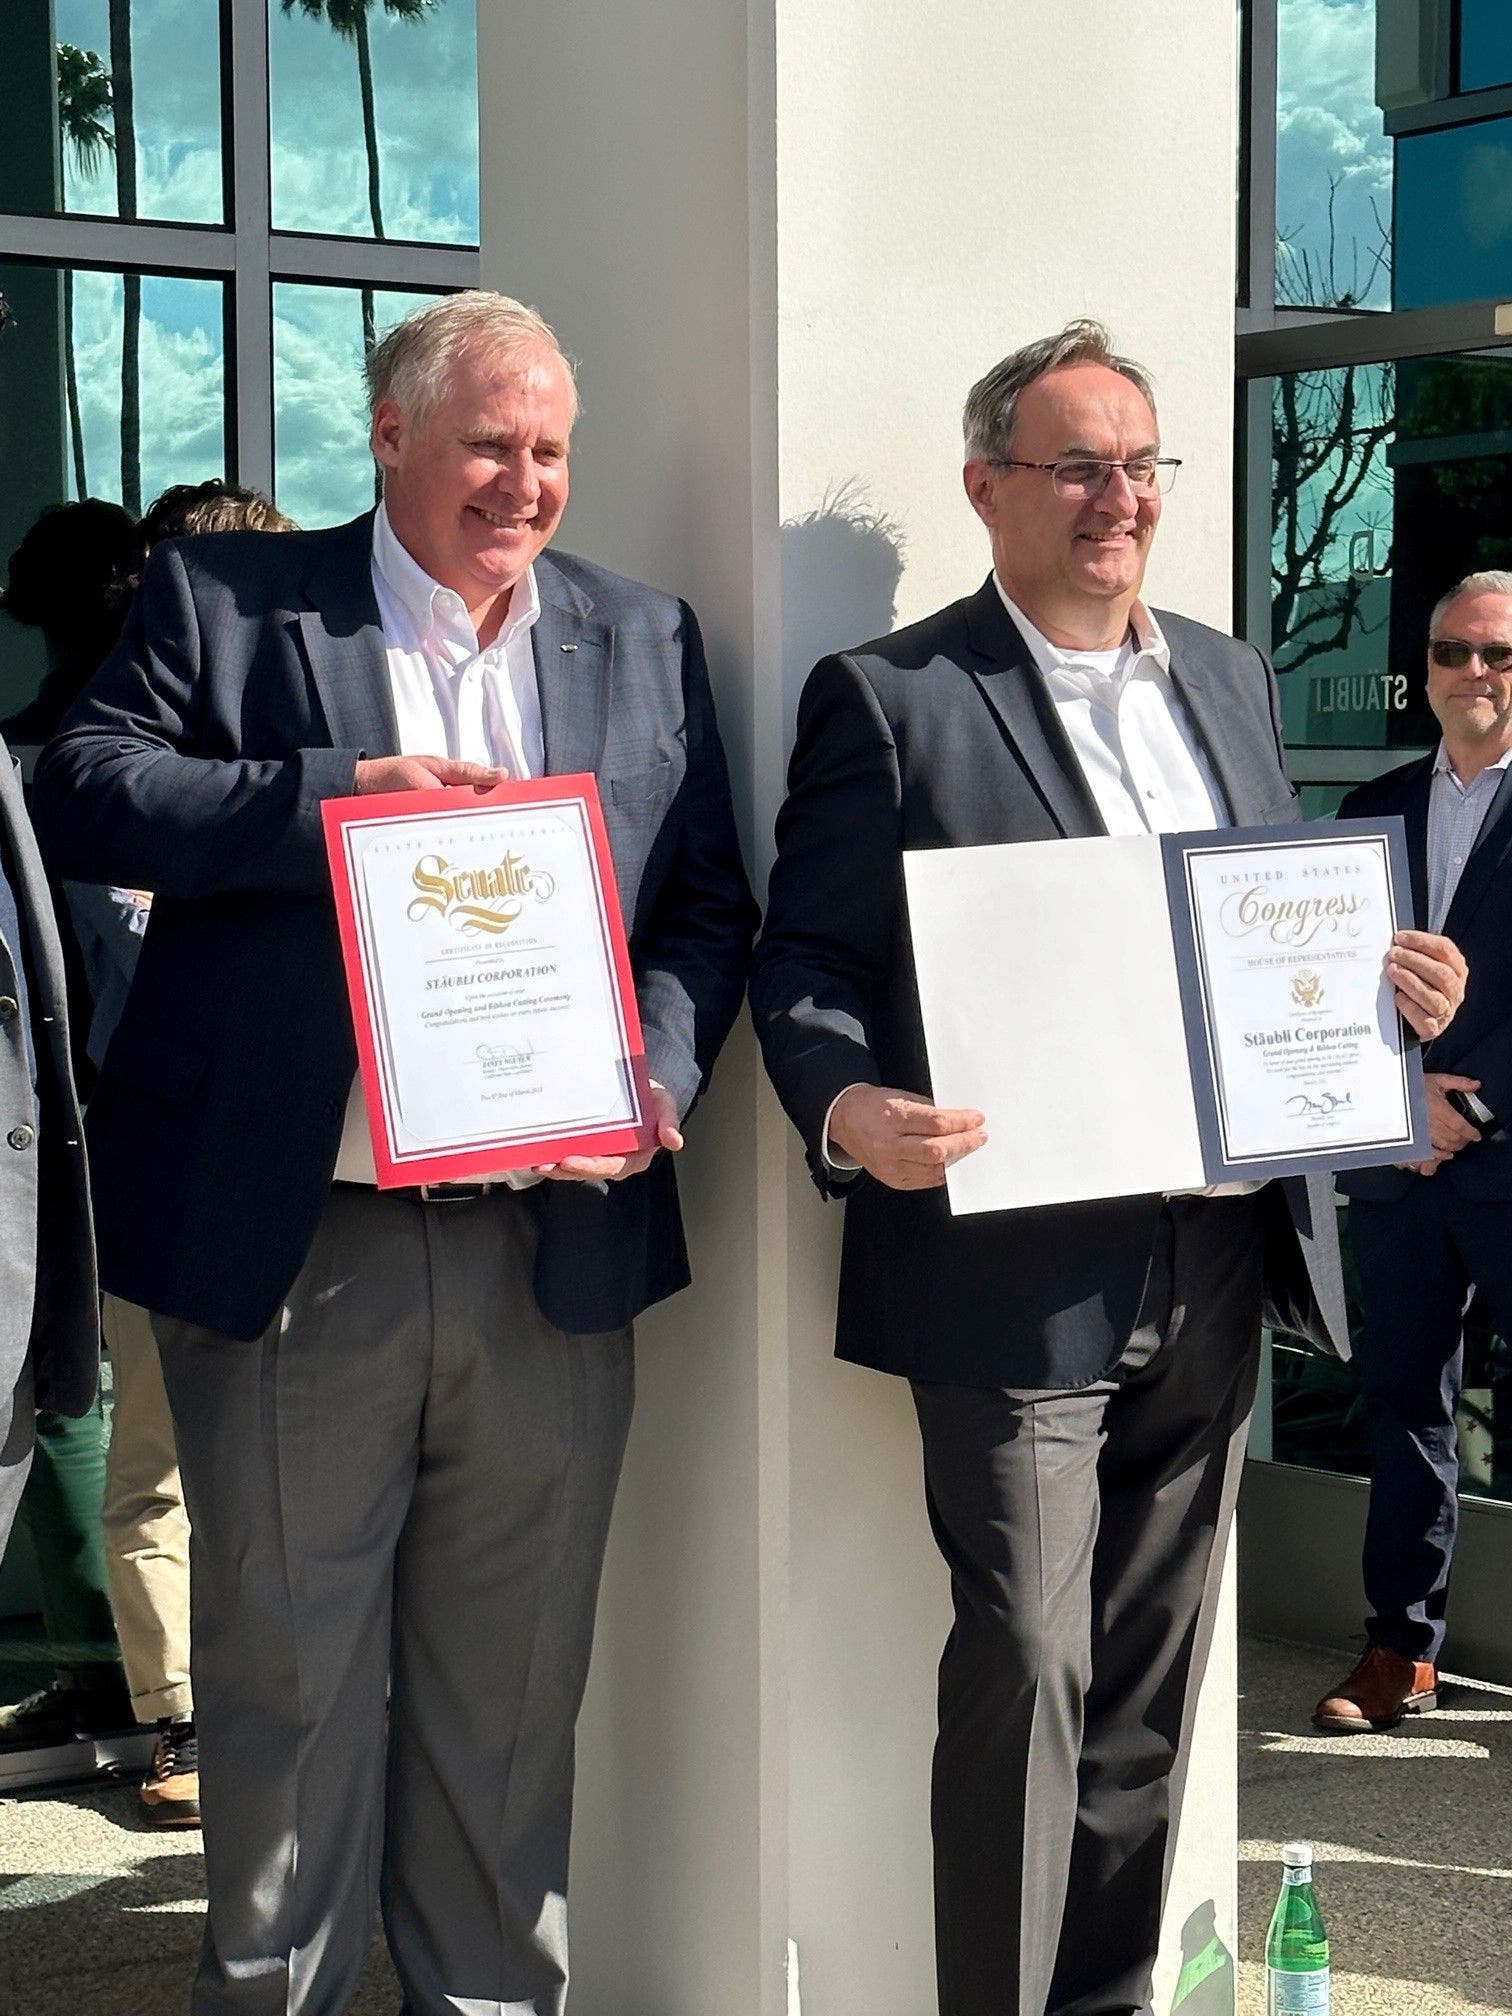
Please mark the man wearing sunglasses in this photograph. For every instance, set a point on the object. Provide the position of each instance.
(1082, 1375)
(1425, 1237)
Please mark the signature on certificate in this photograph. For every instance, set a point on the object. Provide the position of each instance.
(1301, 1103)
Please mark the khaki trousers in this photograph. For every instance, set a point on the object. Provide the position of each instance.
(146, 1526)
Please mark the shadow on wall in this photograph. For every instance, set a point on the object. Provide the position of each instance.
(841, 565)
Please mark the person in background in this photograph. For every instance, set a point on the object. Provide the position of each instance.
(72, 578)
(185, 510)
(1425, 1238)
(146, 1523)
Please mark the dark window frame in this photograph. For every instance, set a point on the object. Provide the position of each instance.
(244, 250)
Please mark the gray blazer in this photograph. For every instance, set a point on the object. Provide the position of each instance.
(943, 736)
(49, 1303)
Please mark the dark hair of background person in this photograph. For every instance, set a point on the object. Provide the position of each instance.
(186, 509)
(72, 577)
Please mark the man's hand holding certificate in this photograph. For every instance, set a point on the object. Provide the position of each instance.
(494, 1009)
(1207, 1008)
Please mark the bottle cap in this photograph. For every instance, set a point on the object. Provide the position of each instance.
(1297, 1855)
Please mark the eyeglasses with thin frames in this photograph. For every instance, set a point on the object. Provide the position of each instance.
(1079, 478)
(1453, 654)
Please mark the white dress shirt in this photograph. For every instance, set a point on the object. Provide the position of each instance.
(1132, 739)
(1133, 744)
(1456, 813)
(450, 699)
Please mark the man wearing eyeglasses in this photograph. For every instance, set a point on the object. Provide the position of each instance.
(1425, 1238)
(1082, 1375)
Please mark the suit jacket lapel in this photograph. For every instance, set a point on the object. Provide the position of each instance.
(34, 904)
(342, 634)
(1211, 712)
(574, 656)
(1487, 856)
(1012, 687)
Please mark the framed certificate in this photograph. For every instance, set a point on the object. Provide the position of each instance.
(1164, 1012)
(1298, 1057)
(490, 982)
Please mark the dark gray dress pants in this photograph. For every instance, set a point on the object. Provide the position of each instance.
(1084, 1530)
(404, 1486)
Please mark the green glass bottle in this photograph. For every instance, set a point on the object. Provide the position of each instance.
(1296, 1947)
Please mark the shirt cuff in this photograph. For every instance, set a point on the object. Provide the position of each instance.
(835, 1160)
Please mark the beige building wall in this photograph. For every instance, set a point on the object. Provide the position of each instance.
(782, 240)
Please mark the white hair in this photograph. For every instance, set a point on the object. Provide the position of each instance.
(1490, 581)
(414, 363)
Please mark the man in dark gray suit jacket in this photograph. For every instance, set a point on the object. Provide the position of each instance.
(1082, 1375)
(49, 1311)
(1423, 1238)
(400, 1414)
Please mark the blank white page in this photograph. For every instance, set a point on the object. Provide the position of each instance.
(1047, 980)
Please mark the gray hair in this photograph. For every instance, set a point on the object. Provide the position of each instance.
(1490, 581)
(992, 403)
(413, 365)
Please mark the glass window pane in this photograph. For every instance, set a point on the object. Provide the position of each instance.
(1485, 44)
(375, 118)
(1454, 215)
(1389, 483)
(1333, 160)
(1319, 1419)
(72, 106)
(324, 472)
(87, 348)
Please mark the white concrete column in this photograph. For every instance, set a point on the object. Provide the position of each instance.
(782, 240)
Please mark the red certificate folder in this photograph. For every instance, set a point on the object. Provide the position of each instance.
(492, 998)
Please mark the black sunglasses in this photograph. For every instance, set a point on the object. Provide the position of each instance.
(1453, 654)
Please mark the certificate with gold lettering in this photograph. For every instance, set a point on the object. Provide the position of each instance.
(1299, 1058)
(490, 981)
(1163, 1012)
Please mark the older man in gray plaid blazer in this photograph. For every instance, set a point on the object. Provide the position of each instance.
(400, 1417)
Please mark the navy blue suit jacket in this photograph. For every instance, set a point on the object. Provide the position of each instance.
(250, 680)
(1478, 1042)
(943, 736)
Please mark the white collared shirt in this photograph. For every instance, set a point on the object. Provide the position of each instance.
(450, 699)
(1456, 813)
(1134, 745)
(1130, 734)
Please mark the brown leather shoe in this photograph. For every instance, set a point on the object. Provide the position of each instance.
(1383, 1687)
(170, 1791)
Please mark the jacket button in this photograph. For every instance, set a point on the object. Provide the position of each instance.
(21, 1137)
(9, 1008)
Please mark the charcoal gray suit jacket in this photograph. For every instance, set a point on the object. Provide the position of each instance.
(250, 680)
(943, 736)
(49, 1306)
